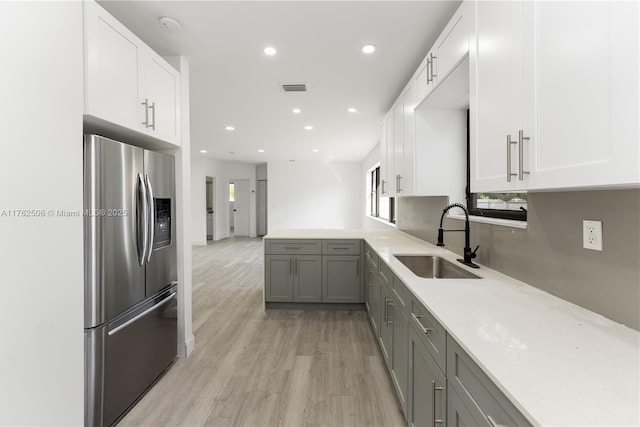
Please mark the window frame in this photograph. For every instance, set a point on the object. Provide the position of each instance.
(373, 177)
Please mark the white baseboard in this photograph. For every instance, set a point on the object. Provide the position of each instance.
(187, 348)
(199, 243)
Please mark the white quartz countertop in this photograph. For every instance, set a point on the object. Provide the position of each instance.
(560, 364)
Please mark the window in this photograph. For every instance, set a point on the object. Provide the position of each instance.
(232, 192)
(494, 205)
(378, 206)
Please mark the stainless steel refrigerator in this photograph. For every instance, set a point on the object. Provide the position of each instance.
(130, 274)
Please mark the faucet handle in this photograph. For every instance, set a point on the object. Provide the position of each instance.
(473, 254)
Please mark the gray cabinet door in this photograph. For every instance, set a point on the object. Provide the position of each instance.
(279, 278)
(426, 386)
(458, 415)
(400, 358)
(307, 278)
(341, 279)
(372, 297)
(386, 325)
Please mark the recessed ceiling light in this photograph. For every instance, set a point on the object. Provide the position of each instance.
(260, 150)
(231, 152)
(229, 128)
(352, 110)
(203, 151)
(270, 51)
(368, 48)
(296, 111)
(308, 127)
(315, 150)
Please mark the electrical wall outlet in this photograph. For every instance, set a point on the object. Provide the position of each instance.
(592, 235)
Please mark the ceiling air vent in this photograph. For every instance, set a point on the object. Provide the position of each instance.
(297, 87)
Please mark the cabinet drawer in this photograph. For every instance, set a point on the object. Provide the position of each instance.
(477, 391)
(372, 257)
(433, 335)
(341, 247)
(294, 246)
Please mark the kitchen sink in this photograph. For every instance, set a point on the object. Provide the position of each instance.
(434, 267)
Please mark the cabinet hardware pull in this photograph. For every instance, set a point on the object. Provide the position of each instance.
(399, 183)
(146, 113)
(493, 422)
(383, 182)
(342, 248)
(424, 330)
(386, 310)
(433, 57)
(509, 174)
(295, 266)
(388, 304)
(292, 247)
(153, 115)
(521, 139)
(428, 71)
(433, 403)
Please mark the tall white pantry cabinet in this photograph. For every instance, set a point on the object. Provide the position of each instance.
(554, 95)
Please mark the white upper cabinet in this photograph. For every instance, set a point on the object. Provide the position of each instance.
(160, 95)
(586, 95)
(448, 51)
(112, 57)
(560, 81)
(501, 88)
(126, 83)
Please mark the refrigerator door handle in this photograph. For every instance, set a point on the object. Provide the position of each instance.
(142, 226)
(141, 315)
(151, 209)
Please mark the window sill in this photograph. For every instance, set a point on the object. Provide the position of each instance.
(382, 221)
(493, 221)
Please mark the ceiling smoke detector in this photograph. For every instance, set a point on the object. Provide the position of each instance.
(294, 87)
(170, 24)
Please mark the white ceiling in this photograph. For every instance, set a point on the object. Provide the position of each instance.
(319, 43)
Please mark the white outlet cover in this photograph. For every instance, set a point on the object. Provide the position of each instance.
(592, 235)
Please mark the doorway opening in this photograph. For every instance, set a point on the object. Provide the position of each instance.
(239, 204)
(210, 207)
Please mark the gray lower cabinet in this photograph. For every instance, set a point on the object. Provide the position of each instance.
(473, 394)
(279, 278)
(341, 279)
(307, 278)
(394, 343)
(427, 397)
(294, 278)
(372, 297)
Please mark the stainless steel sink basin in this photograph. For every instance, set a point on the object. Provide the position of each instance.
(434, 267)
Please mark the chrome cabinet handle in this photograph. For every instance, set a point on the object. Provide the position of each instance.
(291, 265)
(521, 139)
(493, 422)
(153, 115)
(433, 58)
(429, 78)
(292, 247)
(388, 303)
(382, 184)
(142, 223)
(433, 403)
(151, 208)
(509, 143)
(295, 266)
(146, 113)
(144, 313)
(415, 319)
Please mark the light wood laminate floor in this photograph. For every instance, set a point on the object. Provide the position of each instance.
(273, 368)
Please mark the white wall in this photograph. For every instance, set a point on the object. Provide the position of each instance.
(41, 258)
(222, 171)
(368, 223)
(314, 195)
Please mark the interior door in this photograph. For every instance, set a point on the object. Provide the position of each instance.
(241, 207)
